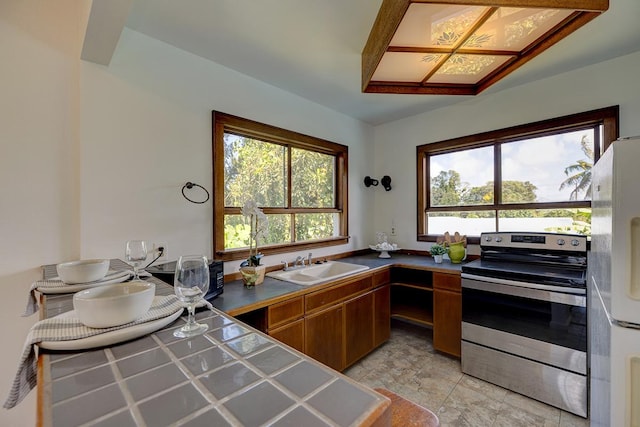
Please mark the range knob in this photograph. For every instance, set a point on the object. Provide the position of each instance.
(487, 238)
(575, 242)
(498, 239)
(561, 242)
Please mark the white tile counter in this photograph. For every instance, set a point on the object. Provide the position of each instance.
(232, 375)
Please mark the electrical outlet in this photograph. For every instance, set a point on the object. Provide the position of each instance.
(155, 253)
(393, 231)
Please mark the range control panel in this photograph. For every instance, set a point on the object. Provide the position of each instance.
(546, 241)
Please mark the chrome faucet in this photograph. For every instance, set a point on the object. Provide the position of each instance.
(285, 265)
(299, 262)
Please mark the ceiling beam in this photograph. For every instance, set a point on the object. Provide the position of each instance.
(106, 22)
(582, 5)
(389, 16)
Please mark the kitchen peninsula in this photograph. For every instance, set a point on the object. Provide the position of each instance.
(233, 375)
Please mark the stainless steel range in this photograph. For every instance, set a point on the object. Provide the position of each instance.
(524, 316)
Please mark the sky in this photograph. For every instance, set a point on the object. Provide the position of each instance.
(541, 161)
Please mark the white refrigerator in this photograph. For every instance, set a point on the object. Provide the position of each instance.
(614, 287)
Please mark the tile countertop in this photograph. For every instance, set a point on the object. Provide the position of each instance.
(237, 300)
(232, 375)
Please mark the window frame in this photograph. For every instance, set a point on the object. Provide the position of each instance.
(607, 117)
(227, 123)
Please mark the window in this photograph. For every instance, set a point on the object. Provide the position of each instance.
(534, 177)
(300, 183)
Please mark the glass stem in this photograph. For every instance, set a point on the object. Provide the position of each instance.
(191, 308)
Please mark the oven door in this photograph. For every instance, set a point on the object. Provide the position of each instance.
(530, 317)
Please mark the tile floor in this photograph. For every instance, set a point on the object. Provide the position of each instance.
(408, 366)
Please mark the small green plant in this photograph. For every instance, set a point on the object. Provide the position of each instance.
(438, 249)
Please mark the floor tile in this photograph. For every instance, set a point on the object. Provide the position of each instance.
(490, 390)
(533, 406)
(408, 365)
(465, 406)
(570, 420)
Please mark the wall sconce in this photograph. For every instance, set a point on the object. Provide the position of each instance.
(368, 182)
(386, 182)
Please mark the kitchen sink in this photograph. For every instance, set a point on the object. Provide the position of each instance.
(317, 273)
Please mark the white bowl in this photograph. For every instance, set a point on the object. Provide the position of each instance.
(113, 305)
(88, 270)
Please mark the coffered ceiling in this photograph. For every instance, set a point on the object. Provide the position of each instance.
(313, 48)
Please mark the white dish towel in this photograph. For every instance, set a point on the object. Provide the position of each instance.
(70, 328)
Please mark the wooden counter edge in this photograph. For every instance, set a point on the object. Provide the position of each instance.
(381, 415)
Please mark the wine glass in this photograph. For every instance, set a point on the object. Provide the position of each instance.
(135, 253)
(191, 283)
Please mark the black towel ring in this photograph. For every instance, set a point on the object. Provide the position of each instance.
(190, 185)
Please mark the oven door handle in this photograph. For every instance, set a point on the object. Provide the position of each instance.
(525, 290)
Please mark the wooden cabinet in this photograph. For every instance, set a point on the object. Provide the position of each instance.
(291, 334)
(285, 322)
(432, 299)
(382, 317)
(324, 338)
(412, 295)
(354, 301)
(358, 322)
(336, 325)
(447, 313)
(335, 294)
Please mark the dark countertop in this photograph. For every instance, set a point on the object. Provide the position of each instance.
(236, 299)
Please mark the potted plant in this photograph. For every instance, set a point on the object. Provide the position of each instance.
(437, 250)
(251, 269)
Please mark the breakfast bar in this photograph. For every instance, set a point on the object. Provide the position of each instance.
(232, 375)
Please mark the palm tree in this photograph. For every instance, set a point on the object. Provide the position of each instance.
(581, 178)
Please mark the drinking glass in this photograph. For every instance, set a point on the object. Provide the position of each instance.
(191, 283)
(135, 253)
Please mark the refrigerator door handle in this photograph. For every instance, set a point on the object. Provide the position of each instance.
(634, 273)
(634, 383)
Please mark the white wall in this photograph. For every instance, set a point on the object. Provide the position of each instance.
(146, 130)
(613, 82)
(39, 47)
(93, 156)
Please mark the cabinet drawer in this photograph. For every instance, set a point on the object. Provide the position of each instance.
(381, 277)
(336, 294)
(450, 282)
(285, 311)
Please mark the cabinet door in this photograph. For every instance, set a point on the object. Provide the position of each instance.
(324, 337)
(358, 317)
(381, 315)
(447, 321)
(291, 334)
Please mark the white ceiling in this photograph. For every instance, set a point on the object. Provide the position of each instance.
(312, 47)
